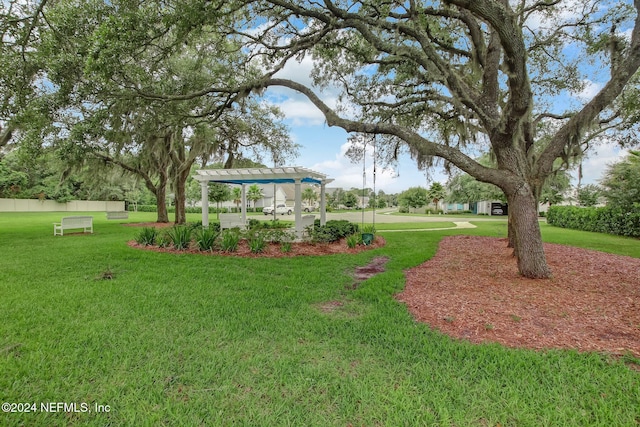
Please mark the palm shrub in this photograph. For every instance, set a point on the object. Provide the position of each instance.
(257, 242)
(163, 240)
(147, 236)
(206, 238)
(353, 240)
(369, 228)
(229, 241)
(285, 247)
(180, 236)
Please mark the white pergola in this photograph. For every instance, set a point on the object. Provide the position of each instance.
(284, 175)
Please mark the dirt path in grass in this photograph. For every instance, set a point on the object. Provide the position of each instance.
(471, 290)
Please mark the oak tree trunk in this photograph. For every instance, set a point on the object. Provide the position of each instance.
(180, 201)
(528, 247)
(161, 203)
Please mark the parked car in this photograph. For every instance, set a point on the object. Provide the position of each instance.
(308, 208)
(281, 209)
(497, 211)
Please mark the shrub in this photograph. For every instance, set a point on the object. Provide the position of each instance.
(333, 230)
(353, 240)
(257, 242)
(147, 236)
(163, 240)
(206, 238)
(230, 240)
(255, 224)
(281, 236)
(285, 247)
(180, 236)
(369, 228)
(607, 219)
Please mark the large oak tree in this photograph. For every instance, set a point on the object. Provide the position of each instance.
(447, 78)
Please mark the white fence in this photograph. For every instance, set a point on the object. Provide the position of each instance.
(35, 205)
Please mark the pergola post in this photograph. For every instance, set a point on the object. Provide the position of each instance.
(323, 204)
(243, 209)
(298, 207)
(204, 189)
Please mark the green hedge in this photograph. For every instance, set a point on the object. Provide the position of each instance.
(602, 220)
(188, 209)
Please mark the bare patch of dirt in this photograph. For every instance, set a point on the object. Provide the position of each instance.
(376, 266)
(329, 306)
(471, 290)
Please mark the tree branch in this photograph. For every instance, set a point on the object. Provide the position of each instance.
(573, 131)
(415, 141)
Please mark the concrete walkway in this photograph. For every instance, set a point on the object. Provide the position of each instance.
(459, 224)
(385, 216)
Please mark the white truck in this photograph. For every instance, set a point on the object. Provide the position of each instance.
(281, 209)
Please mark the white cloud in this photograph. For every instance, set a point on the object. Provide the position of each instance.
(594, 166)
(347, 174)
(589, 90)
(294, 105)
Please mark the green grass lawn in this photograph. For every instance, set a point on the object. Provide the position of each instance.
(204, 340)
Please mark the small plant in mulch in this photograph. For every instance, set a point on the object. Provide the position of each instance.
(205, 238)
(147, 236)
(180, 236)
(285, 247)
(353, 240)
(257, 242)
(230, 240)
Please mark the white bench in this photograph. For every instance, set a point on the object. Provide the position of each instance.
(307, 223)
(231, 220)
(118, 215)
(73, 222)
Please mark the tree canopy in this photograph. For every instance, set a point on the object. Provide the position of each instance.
(621, 183)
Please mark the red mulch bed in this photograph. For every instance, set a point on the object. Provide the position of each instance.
(471, 290)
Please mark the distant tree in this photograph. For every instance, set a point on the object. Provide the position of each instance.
(350, 200)
(436, 193)
(219, 193)
(621, 182)
(464, 188)
(414, 197)
(555, 187)
(254, 194)
(309, 196)
(236, 195)
(335, 198)
(588, 195)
